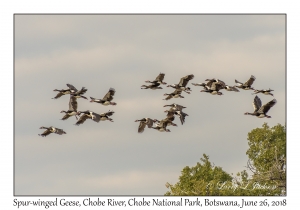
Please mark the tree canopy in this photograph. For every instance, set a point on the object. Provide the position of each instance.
(267, 164)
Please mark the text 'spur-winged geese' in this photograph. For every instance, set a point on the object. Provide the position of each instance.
(182, 84)
(51, 129)
(87, 115)
(107, 99)
(259, 110)
(175, 94)
(266, 92)
(159, 79)
(72, 109)
(143, 123)
(246, 85)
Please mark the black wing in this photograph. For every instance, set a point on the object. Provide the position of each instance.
(184, 80)
(109, 113)
(96, 117)
(256, 103)
(149, 122)
(141, 127)
(73, 103)
(45, 133)
(109, 95)
(265, 108)
(160, 77)
(72, 88)
(59, 131)
(82, 119)
(250, 81)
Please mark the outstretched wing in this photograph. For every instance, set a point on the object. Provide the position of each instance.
(184, 80)
(82, 119)
(72, 88)
(250, 81)
(181, 115)
(109, 95)
(256, 103)
(45, 133)
(149, 122)
(234, 89)
(109, 113)
(141, 127)
(66, 117)
(217, 86)
(59, 131)
(82, 91)
(265, 108)
(96, 117)
(58, 95)
(73, 103)
(160, 77)
(238, 82)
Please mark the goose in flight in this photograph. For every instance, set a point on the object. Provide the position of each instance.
(259, 110)
(87, 115)
(183, 83)
(175, 94)
(51, 129)
(159, 79)
(72, 108)
(61, 93)
(231, 88)
(266, 92)
(107, 99)
(179, 113)
(175, 107)
(214, 89)
(153, 86)
(162, 126)
(143, 123)
(246, 85)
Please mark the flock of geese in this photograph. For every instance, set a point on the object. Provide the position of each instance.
(73, 105)
(212, 86)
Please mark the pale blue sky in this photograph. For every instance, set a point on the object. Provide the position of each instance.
(122, 51)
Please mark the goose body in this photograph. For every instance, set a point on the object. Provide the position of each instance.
(247, 85)
(143, 123)
(153, 86)
(61, 93)
(175, 94)
(72, 108)
(231, 88)
(106, 116)
(158, 80)
(107, 99)
(51, 129)
(266, 92)
(214, 88)
(87, 115)
(183, 83)
(162, 126)
(259, 110)
(175, 107)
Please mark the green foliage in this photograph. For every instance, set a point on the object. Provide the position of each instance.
(267, 152)
(267, 155)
